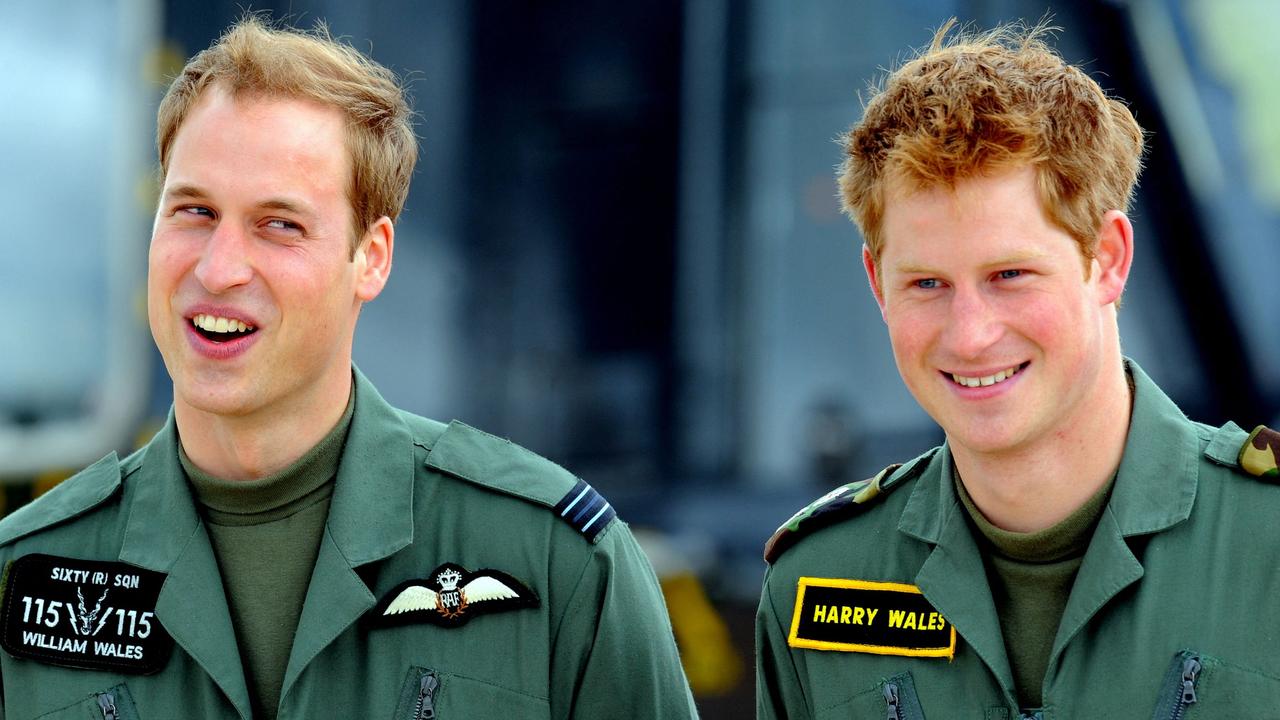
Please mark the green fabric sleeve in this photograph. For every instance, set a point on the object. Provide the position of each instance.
(778, 691)
(613, 653)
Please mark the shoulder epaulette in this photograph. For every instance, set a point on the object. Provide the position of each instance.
(845, 501)
(1260, 453)
(425, 431)
(499, 464)
(75, 495)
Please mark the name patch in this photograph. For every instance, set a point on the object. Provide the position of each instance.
(89, 614)
(871, 617)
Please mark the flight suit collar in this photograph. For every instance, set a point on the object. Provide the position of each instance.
(953, 577)
(1156, 483)
(163, 515)
(164, 533)
(370, 518)
(371, 514)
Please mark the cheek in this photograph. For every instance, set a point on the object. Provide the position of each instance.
(1049, 320)
(167, 260)
(911, 331)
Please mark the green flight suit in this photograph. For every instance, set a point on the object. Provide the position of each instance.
(410, 495)
(1179, 582)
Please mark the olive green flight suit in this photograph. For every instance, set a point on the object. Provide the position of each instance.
(410, 495)
(1173, 613)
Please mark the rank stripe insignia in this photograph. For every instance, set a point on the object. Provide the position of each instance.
(881, 618)
(1260, 454)
(585, 509)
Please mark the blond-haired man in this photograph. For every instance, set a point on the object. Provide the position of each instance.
(290, 545)
(1076, 548)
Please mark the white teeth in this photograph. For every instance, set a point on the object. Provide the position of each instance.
(213, 323)
(985, 380)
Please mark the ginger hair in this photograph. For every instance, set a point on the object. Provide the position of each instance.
(979, 104)
(253, 59)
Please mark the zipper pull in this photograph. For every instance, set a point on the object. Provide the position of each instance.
(427, 697)
(891, 697)
(1190, 670)
(107, 703)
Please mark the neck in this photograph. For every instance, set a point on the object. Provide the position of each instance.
(246, 447)
(1031, 488)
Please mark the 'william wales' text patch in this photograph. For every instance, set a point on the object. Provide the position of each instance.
(87, 614)
(871, 617)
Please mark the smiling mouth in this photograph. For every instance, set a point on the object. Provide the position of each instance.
(221, 329)
(986, 380)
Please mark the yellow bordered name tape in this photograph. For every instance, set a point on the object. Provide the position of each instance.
(883, 618)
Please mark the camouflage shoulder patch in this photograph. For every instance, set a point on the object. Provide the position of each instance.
(1260, 454)
(843, 502)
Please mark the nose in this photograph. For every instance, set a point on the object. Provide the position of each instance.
(974, 324)
(224, 262)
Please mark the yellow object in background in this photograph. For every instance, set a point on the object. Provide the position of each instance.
(710, 661)
(48, 480)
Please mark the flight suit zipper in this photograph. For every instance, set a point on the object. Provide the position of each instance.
(891, 699)
(1186, 690)
(107, 703)
(425, 708)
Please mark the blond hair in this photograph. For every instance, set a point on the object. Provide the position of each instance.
(254, 59)
(977, 104)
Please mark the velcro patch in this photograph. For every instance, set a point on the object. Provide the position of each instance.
(585, 509)
(871, 617)
(90, 614)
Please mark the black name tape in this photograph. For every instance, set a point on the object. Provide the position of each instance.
(870, 617)
(87, 614)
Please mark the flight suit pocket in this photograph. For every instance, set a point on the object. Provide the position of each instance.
(429, 694)
(1197, 685)
(893, 698)
(113, 703)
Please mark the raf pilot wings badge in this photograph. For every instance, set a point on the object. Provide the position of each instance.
(450, 596)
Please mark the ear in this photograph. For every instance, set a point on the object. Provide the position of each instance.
(873, 277)
(1113, 256)
(373, 259)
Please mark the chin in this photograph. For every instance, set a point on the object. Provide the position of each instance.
(983, 436)
(223, 402)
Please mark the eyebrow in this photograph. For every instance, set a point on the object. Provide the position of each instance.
(194, 192)
(184, 191)
(1017, 258)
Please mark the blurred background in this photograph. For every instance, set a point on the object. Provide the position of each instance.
(623, 247)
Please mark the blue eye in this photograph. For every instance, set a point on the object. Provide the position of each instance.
(927, 283)
(1009, 274)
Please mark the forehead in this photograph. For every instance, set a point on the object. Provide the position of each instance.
(225, 136)
(998, 212)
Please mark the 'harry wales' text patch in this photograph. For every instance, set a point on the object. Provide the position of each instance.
(90, 614)
(871, 617)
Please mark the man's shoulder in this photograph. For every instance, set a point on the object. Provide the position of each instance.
(843, 504)
(498, 465)
(76, 496)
